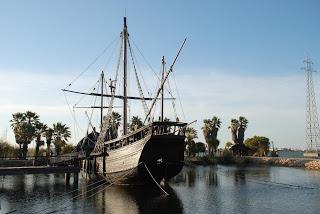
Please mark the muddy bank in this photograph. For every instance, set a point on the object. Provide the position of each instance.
(308, 163)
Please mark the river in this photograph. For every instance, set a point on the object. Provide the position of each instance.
(210, 189)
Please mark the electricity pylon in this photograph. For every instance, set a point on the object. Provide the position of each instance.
(312, 122)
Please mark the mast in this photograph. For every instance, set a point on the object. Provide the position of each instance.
(163, 81)
(125, 99)
(101, 106)
(163, 62)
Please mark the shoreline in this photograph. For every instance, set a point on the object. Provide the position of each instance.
(307, 163)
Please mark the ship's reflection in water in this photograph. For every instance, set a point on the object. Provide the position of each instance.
(137, 199)
(211, 189)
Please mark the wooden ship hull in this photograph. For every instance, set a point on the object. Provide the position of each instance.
(157, 156)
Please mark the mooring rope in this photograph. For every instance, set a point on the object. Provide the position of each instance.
(155, 179)
(110, 181)
(74, 197)
(107, 181)
(56, 197)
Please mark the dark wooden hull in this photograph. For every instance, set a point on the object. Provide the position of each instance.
(162, 155)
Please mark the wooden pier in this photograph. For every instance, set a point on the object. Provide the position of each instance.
(67, 164)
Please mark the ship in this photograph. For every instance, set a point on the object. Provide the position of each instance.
(152, 152)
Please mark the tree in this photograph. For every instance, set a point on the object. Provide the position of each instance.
(68, 148)
(234, 125)
(114, 125)
(48, 134)
(228, 145)
(16, 125)
(191, 134)
(7, 150)
(200, 147)
(258, 145)
(61, 134)
(237, 129)
(210, 131)
(136, 123)
(24, 128)
(243, 124)
(39, 131)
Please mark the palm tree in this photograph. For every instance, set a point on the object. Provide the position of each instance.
(48, 134)
(191, 134)
(136, 123)
(210, 131)
(16, 125)
(23, 125)
(114, 124)
(31, 117)
(237, 128)
(61, 134)
(234, 130)
(39, 130)
(243, 124)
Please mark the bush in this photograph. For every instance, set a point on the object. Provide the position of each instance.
(7, 150)
(258, 145)
(68, 148)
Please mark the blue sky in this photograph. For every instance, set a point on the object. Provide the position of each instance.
(242, 57)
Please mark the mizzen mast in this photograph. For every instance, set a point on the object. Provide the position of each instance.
(101, 104)
(162, 92)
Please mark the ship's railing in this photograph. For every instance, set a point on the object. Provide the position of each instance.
(128, 139)
(155, 129)
(168, 128)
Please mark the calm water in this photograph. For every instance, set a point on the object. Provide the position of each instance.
(217, 189)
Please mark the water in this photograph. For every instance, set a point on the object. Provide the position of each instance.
(212, 189)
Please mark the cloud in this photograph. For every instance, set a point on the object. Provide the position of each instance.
(274, 105)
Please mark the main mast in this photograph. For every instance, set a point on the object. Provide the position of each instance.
(125, 99)
(163, 63)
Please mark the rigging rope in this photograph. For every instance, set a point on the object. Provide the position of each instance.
(91, 89)
(72, 112)
(140, 73)
(154, 72)
(144, 104)
(173, 102)
(94, 61)
(106, 120)
(179, 98)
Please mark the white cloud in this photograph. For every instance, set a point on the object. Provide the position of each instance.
(274, 105)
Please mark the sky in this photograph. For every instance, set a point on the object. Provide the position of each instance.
(242, 58)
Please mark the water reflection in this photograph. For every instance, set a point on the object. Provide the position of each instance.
(190, 176)
(137, 199)
(211, 178)
(239, 177)
(212, 189)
